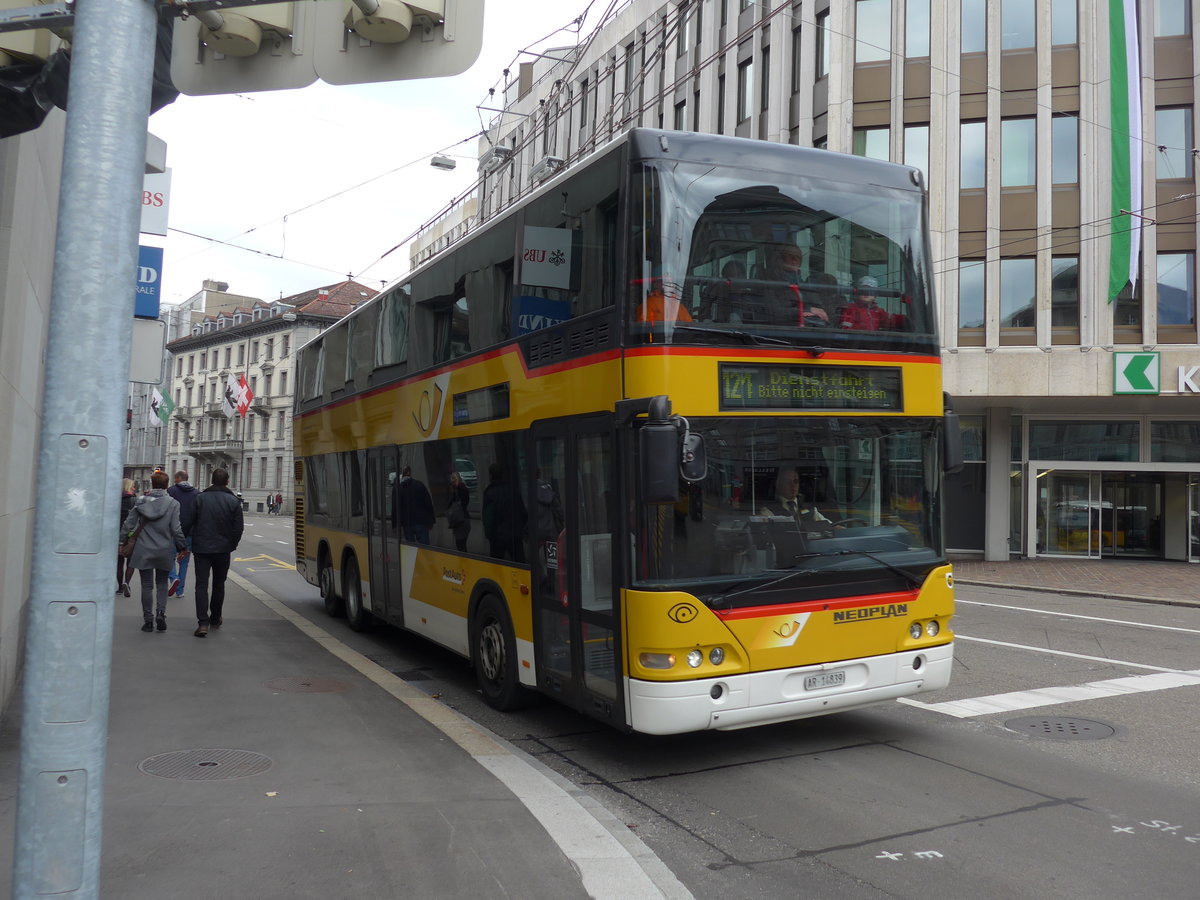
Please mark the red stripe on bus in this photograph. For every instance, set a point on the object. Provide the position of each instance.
(807, 606)
(825, 356)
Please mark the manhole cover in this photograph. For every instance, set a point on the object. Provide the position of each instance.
(300, 684)
(206, 765)
(1061, 728)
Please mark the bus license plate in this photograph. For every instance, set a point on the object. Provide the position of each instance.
(824, 680)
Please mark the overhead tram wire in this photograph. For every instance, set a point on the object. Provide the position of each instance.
(277, 256)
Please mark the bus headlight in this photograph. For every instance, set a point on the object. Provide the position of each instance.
(694, 658)
(915, 631)
(716, 656)
(657, 660)
(932, 628)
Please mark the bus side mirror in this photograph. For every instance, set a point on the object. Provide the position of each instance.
(658, 446)
(693, 460)
(952, 446)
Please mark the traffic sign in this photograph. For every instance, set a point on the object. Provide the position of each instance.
(1136, 373)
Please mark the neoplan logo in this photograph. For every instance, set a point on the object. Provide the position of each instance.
(869, 613)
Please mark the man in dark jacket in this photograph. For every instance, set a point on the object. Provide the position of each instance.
(215, 526)
(185, 494)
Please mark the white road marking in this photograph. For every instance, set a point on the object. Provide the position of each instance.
(1049, 652)
(1049, 612)
(1052, 696)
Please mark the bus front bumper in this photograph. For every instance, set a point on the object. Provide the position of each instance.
(761, 698)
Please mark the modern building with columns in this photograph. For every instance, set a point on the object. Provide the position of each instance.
(1080, 389)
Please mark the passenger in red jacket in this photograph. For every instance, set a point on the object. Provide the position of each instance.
(863, 313)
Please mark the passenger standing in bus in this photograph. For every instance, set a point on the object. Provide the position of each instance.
(504, 516)
(457, 516)
(414, 508)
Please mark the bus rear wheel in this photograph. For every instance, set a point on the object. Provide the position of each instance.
(357, 617)
(494, 655)
(333, 603)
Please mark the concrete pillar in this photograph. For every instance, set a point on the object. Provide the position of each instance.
(999, 483)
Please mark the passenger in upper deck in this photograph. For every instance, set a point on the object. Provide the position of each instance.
(657, 306)
(720, 300)
(787, 305)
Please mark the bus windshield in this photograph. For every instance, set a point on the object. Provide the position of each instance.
(728, 254)
(824, 494)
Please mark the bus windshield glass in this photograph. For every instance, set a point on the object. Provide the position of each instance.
(727, 257)
(818, 494)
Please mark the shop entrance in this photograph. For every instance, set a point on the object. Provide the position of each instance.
(1101, 514)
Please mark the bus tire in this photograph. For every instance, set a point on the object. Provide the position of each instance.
(358, 618)
(333, 603)
(494, 655)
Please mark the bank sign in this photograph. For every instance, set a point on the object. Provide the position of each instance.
(1140, 373)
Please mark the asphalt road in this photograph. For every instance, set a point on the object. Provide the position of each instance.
(1059, 763)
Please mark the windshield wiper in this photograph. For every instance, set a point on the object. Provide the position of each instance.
(907, 576)
(788, 573)
(746, 336)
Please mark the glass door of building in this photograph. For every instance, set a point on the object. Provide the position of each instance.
(1069, 513)
(1132, 520)
(1194, 519)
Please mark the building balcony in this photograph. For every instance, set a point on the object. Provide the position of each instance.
(216, 449)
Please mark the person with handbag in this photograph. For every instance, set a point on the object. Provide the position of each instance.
(157, 542)
(124, 569)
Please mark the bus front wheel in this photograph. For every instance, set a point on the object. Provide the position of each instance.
(357, 617)
(333, 603)
(494, 655)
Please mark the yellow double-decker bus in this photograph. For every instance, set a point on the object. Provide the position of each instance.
(663, 440)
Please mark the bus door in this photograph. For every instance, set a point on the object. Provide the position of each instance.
(383, 536)
(575, 564)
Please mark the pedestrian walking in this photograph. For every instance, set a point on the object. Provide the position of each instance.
(125, 569)
(185, 495)
(160, 538)
(278, 504)
(215, 526)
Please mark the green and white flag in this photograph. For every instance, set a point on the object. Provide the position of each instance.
(1126, 86)
(160, 408)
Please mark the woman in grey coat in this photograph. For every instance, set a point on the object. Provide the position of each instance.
(159, 543)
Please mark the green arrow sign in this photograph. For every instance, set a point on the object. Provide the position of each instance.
(1135, 373)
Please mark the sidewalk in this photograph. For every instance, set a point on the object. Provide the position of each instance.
(256, 763)
(1149, 581)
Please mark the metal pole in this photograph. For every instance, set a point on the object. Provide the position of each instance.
(69, 635)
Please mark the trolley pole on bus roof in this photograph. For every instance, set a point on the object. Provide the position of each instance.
(69, 636)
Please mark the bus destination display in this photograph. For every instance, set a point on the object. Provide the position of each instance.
(748, 386)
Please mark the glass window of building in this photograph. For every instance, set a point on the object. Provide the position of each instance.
(720, 104)
(1081, 440)
(1173, 135)
(871, 142)
(916, 148)
(1064, 291)
(1175, 442)
(971, 293)
(873, 37)
(745, 74)
(1018, 152)
(916, 28)
(974, 26)
(1127, 313)
(684, 37)
(972, 155)
(1064, 22)
(1172, 17)
(823, 44)
(1064, 149)
(796, 59)
(681, 115)
(1176, 289)
(764, 89)
(1017, 23)
(1018, 292)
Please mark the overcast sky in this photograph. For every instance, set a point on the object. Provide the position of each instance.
(261, 170)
